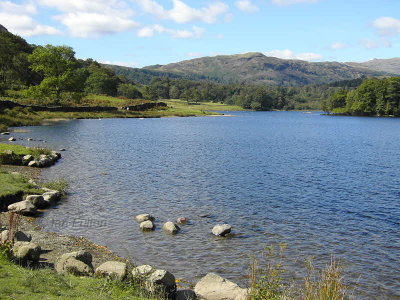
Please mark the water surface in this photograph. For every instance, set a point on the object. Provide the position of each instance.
(323, 185)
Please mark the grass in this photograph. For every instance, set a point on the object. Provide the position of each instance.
(12, 184)
(202, 106)
(18, 151)
(17, 282)
(266, 280)
(60, 185)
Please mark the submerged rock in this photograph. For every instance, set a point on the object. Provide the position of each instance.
(144, 217)
(171, 228)
(147, 226)
(221, 229)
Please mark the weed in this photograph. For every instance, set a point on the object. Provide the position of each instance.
(60, 185)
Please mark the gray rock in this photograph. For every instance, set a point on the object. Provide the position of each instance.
(23, 208)
(185, 295)
(147, 226)
(221, 229)
(19, 236)
(26, 159)
(62, 149)
(143, 270)
(56, 155)
(214, 287)
(37, 200)
(68, 263)
(30, 139)
(33, 163)
(182, 220)
(5, 133)
(171, 228)
(51, 196)
(144, 217)
(26, 251)
(113, 269)
(12, 139)
(161, 281)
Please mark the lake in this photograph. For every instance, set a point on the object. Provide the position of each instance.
(326, 186)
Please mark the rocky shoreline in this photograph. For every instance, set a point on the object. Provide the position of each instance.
(79, 256)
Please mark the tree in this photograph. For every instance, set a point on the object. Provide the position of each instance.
(101, 80)
(62, 77)
(129, 91)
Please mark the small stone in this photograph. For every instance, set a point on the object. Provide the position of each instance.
(12, 139)
(5, 133)
(147, 226)
(171, 228)
(113, 269)
(143, 270)
(26, 159)
(144, 217)
(182, 220)
(221, 229)
(33, 163)
(61, 149)
(19, 236)
(30, 139)
(22, 207)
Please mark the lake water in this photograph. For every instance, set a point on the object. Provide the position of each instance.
(326, 186)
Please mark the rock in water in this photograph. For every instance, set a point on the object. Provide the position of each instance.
(221, 229)
(171, 228)
(144, 217)
(214, 287)
(37, 200)
(182, 220)
(12, 139)
(147, 226)
(113, 269)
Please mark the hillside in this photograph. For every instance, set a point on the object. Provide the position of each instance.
(391, 65)
(256, 68)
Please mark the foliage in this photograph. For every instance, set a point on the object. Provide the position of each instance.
(373, 97)
(60, 185)
(63, 79)
(129, 91)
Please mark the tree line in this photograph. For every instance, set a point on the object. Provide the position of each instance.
(373, 97)
(53, 76)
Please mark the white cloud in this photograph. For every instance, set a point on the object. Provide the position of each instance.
(182, 13)
(290, 2)
(149, 31)
(87, 18)
(387, 26)
(246, 6)
(337, 46)
(369, 44)
(288, 54)
(17, 19)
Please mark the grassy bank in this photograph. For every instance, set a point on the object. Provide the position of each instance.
(17, 282)
(12, 184)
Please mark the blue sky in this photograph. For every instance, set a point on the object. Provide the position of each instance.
(145, 32)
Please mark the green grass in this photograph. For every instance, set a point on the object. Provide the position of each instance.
(17, 282)
(202, 106)
(60, 185)
(11, 184)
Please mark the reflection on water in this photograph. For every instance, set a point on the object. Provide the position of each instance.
(323, 185)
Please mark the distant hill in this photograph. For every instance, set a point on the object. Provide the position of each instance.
(391, 65)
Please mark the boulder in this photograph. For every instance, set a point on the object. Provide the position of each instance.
(56, 154)
(221, 229)
(61, 149)
(51, 196)
(113, 269)
(5, 133)
(12, 139)
(33, 163)
(171, 228)
(26, 251)
(144, 217)
(30, 139)
(26, 159)
(161, 281)
(77, 263)
(37, 200)
(214, 287)
(185, 295)
(23, 207)
(147, 226)
(143, 270)
(182, 220)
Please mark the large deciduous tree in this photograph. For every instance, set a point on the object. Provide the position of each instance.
(63, 79)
